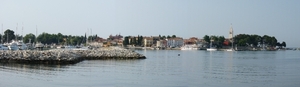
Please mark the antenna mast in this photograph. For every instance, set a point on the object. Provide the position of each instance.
(17, 33)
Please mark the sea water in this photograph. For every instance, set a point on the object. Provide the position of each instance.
(164, 68)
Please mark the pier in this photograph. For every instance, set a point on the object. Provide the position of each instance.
(67, 56)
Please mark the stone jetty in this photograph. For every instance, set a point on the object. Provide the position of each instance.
(67, 56)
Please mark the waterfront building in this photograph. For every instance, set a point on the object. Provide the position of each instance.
(175, 42)
(161, 43)
(148, 41)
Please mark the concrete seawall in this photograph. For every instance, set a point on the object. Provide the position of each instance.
(60, 56)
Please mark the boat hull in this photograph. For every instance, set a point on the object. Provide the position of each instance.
(211, 49)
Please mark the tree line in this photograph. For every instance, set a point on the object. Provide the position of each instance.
(132, 40)
(166, 37)
(246, 40)
(47, 38)
(257, 41)
(215, 40)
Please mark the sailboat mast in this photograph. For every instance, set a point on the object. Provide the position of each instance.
(87, 36)
(231, 35)
(91, 35)
(22, 31)
(7, 37)
(36, 34)
(2, 34)
(16, 33)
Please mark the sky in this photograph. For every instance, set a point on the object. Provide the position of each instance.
(183, 18)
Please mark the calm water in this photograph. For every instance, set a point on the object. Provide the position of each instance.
(164, 68)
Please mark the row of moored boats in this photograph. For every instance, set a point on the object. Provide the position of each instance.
(14, 45)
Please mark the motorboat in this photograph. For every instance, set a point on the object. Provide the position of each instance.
(13, 46)
(230, 49)
(59, 47)
(212, 49)
(39, 45)
(22, 46)
(2, 47)
(189, 47)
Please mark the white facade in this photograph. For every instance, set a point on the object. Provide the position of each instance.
(176, 42)
(148, 42)
(158, 44)
(161, 43)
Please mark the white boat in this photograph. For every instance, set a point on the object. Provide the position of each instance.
(189, 47)
(13, 46)
(2, 47)
(22, 46)
(230, 50)
(39, 45)
(61, 46)
(210, 47)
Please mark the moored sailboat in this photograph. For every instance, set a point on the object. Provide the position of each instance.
(211, 48)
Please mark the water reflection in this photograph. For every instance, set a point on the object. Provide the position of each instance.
(42, 69)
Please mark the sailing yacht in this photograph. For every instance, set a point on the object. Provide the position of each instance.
(13, 45)
(211, 48)
(22, 46)
(2, 47)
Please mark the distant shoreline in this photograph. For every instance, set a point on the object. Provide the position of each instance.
(219, 49)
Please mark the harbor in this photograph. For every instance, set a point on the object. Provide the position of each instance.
(67, 56)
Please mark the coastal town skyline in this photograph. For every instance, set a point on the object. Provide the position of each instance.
(152, 18)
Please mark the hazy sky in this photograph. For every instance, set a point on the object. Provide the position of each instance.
(184, 18)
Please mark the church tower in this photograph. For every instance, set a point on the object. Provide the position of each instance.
(231, 32)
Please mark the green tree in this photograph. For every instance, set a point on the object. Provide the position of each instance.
(59, 38)
(221, 40)
(206, 38)
(8, 35)
(133, 41)
(257, 39)
(29, 37)
(168, 36)
(163, 37)
(160, 37)
(141, 40)
(279, 45)
(1, 38)
(273, 41)
(242, 42)
(173, 36)
(283, 44)
(126, 41)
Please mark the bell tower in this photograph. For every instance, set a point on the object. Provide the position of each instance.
(231, 32)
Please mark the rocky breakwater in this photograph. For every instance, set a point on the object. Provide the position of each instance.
(110, 53)
(47, 57)
(59, 56)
